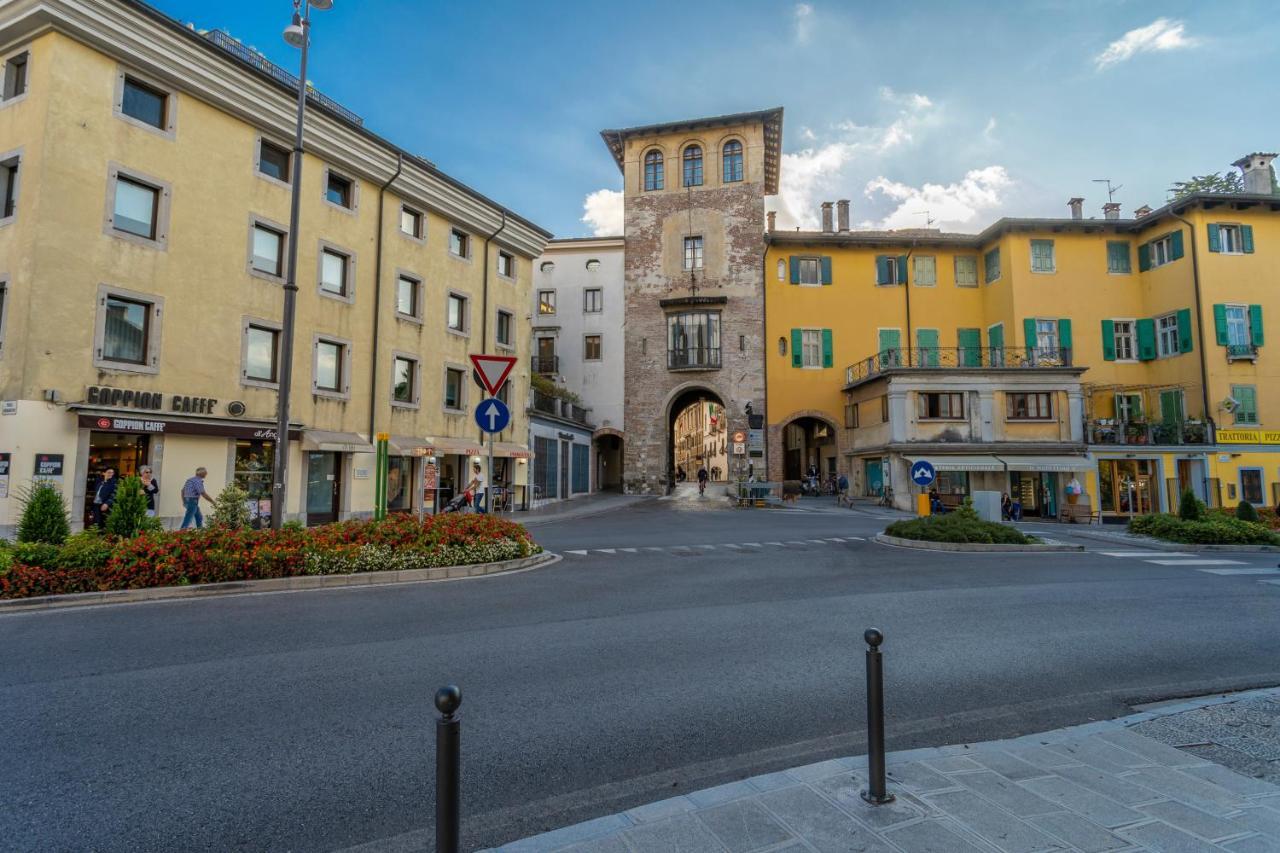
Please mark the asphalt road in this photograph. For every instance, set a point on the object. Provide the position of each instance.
(303, 721)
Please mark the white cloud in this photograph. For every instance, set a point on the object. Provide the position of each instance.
(910, 100)
(951, 206)
(602, 211)
(807, 134)
(989, 132)
(1160, 34)
(802, 18)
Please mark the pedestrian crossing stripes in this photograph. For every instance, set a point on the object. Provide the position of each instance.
(1176, 558)
(725, 546)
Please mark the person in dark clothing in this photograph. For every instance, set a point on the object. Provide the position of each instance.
(1006, 507)
(150, 488)
(105, 497)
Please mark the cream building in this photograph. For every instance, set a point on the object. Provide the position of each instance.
(143, 238)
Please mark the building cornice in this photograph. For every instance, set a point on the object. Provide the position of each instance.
(144, 38)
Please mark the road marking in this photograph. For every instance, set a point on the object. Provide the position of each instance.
(731, 545)
(578, 553)
(752, 544)
(796, 542)
(606, 551)
(630, 550)
(1196, 562)
(779, 544)
(1242, 571)
(1142, 554)
(819, 541)
(855, 539)
(652, 548)
(1273, 583)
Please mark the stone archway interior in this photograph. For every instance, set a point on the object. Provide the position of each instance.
(808, 443)
(698, 435)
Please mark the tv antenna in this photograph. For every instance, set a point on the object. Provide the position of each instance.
(1111, 191)
(928, 220)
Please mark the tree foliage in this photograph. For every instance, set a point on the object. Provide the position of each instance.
(128, 515)
(1190, 509)
(1246, 512)
(44, 515)
(230, 508)
(1217, 182)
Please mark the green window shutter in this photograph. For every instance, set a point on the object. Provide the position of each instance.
(882, 269)
(1029, 332)
(1144, 257)
(890, 339)
(795, 269)
(970, 343)
(1246, 238)
(1170, 406)
(927, 343)
(1146, 339)
(1186, 343)
(1118, 256)
(1108, 340)
(995, 336)
(1064, 334)
(826, 269)
(1249, 402)
(1176, 254)
(828, 349)
(1255, 325)
(1220, 325)
(902, 269)
(797, 348)
(1215, 238)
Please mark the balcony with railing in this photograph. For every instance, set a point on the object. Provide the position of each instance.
(558, 408)
(546, 364)
(694, 358)
(1111, 431)
(957, 358)
(1241, 352)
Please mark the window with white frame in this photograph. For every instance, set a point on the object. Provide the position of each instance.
(408, 296)
(966, 271)
(926, 270)
(1028, 406)
(693, 253)
(940, 405)
(268, 250)
(503, 330)
(1128, 407)
(261, 353)
(1229, 239)
(1042, 256)
(15, 76)
(1237, 325)
(811, 347)
(1161, 250)
(782, 269)
(457, 313)
(335, 272)
(1125, 336)
(592, 300)
(1167, 335)
(404, 381)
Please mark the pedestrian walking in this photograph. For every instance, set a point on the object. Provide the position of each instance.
(476, 487)
(192, 491)
(150, 488)
(105, 497)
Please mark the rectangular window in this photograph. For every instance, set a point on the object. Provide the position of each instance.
(1042, 259)
(591, 348)
(144, 103)
(810, 271)
(890, 269)
(260, 353)
(503, 329)
(884, 409)
(693, 340)
(941, 406)
(404, 380)
(546, 302)
(459, 244)
(15, 76)
(952, 483)
(1251, 485)
(408, 296)
(268, 250)
(1032, 406)
(126, 330)
(811, 347)
(966, 271)
(506, 265)
(1167, 335)
(1124, 336)
(9, 186)
(411, 222)
(1047, 336)
(453, 379)
(1229, 239)
(693, 253)
(1118, 257)
(1161, 250)
(334, 269)
(136, 207)
(851, 415)
(592, 300)
(1129, 407)
(1237, 325)
(991, 263)
(926, 271)
(329, 356)
(339, 190)
(457, 312)
(1246, 404)
(273, 161)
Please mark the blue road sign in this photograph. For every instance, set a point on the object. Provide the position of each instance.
(493, 415)
(922, 473)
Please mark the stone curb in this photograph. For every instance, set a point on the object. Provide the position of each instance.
(886, 539)
(292, 584)
(1164, 545)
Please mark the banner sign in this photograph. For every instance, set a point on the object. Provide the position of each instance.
(155, 426)
(1248, 436)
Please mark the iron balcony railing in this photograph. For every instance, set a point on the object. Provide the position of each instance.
(547, 404)
(1242, 352)
(695, 357)
(956, 358)
(546, 364)
(1117, 432)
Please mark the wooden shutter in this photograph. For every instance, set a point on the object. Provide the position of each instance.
(1215, 238)
(1220, 325)
(1144, 257)
(826, 269)
(1171, 407)
(902, 269)
(1064, 337)
(795, 269)
(1246, 239)
(1146, 339)
(1248, 397)
(1108, 340)
(882, 269)
(1255, 325)
(970, 343)
(797, 348)
(1176, 253)
(1186, 343)
(927, 343)
(828, 350)
(1029, 332)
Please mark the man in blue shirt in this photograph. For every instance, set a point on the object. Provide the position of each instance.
(192, 492)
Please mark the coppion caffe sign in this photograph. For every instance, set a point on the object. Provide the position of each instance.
(158, 426)
(153, 401)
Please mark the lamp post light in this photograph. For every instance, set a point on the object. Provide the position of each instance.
(297, 34)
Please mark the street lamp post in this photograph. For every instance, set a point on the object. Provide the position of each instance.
(297, 34)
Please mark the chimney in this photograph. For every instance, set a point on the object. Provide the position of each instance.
(826, 217)
(772, 217)
(1145, 210)
(1077, 207)
(1111, 210)
(1256, 168)
(842, 214)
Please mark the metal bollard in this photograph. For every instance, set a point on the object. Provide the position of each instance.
(875, 794)
(448, 759)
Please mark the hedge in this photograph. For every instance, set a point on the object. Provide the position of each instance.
(1216, 529)
(89, 563)
(960, 525)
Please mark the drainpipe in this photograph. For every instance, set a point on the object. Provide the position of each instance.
(908, 345)
(377, 300)
(1204, 364)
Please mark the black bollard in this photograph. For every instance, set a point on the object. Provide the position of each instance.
(448, 759)
(875, 793)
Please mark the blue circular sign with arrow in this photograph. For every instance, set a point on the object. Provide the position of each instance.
(922, 473)
(493, 415)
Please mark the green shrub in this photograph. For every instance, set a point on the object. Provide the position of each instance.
(293, 524)
(1246, 512)
(230, 509)
(960, 525)
(84, 550)
(1190, 508)
(44, 515)
(43, 554)
(128, 514)
(1217, 529)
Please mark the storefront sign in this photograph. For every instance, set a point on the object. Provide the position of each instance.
(9, 407)
(429, 477)
(1248, 436)
(156, 426)
(101, 395)
(5, 459)
(755, 441)
(48, 467)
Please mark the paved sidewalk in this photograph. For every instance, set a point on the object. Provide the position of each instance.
(1096, 787)
(581, 507)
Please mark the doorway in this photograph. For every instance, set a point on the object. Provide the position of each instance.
(324, 487)
(808, 444)
(124, 453)
(697, 437)
(875, 477)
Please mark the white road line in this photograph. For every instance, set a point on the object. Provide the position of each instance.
(819, 541)
(1273, 583)
(1142, 554)
(707, 547)
(630, 550)
(578, 553)
(1196, 562)
(855, 539)
(779, 544)
(1242, 571)
(834, 539)
(652, 548)
(752, 544)
(731, 545)
(605, 551)
(796, 542)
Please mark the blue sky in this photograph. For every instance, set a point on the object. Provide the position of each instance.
(969, 112)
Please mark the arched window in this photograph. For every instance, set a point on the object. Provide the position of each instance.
(782, 269)
(693, 166)
(547, 266)
(593, 265)
(653, 171)
(732, 157)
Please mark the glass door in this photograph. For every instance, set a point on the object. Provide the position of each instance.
(324, 488)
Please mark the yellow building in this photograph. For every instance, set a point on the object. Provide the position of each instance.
(1128, 355)
(142, 252)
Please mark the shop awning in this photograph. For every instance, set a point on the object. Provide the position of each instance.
(1046, 463)
(960, 463)
(459, 446)
(407, 445)
(335, 442)
(511, 449)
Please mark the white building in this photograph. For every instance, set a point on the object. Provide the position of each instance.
(577, 344)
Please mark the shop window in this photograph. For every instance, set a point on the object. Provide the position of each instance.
(253, 472)
(1124, 486)
(400, 483)
(273, 161)
(952, 483)
(127, 336)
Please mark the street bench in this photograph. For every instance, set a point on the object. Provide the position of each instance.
(1079, 513)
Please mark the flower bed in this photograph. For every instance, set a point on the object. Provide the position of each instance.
(89, 563)
(1216, 529)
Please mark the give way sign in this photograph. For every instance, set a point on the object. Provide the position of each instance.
(493, 370)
